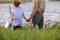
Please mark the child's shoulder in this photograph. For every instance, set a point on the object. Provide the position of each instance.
(21, 8)
(18, 8)
(12, 10)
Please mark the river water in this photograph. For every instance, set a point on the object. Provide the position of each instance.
(51, 13)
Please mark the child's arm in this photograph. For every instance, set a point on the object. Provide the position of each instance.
(12, 18)
(24, 17)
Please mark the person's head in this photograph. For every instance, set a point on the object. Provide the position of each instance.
(16, 3)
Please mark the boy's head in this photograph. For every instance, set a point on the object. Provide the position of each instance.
(16, 3)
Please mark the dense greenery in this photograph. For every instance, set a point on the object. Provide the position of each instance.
(46, 33)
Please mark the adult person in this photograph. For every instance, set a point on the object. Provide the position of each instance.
(37, 13)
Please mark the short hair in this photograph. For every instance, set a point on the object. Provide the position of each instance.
(16, 3)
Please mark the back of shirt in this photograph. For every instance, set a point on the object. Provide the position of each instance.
(17, 13)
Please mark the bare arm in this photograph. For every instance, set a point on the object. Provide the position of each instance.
(12, 18)
(24, 17)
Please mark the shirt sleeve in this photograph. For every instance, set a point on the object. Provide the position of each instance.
(35, 7)
(23, 13)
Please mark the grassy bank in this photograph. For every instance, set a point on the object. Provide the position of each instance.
(31, 34)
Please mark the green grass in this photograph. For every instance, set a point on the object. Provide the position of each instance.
(31, 34)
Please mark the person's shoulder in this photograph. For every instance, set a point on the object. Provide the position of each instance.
(12, 10)
(21, 9)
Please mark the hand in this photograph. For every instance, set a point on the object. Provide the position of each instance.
(28, 20)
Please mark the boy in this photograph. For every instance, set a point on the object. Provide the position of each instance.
(16, 15)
